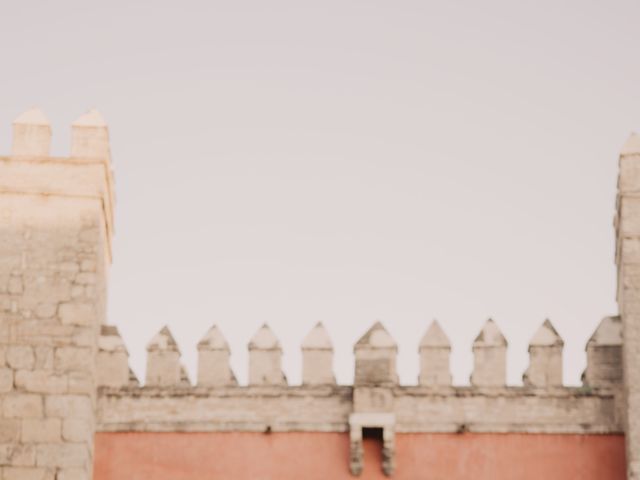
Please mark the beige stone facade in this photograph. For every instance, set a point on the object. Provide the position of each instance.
(54, 254)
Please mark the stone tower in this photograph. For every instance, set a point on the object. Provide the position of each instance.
(627, 225)
(55, 248)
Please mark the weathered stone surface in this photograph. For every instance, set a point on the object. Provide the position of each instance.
(9, 430)
(604, 354)
(435, 351)
(605, 357)
(68, 406)
(213, 360)
(19, 405)
(28, 473)
(62, 455)
(31, 134)
(317, 357)
(545, 358)
(20, 357)
(265, 359)
(163, 360)
(77, 429)
(490, 357)
(41, 381)
(17, 455)
(76, 313)
(375, 354)
(41, 430)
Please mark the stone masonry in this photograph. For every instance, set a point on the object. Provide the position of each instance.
(64, 372)
(55, 230)
(628, 260)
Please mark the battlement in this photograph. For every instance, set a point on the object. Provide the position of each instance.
(168, 402)
(85, 173)
(216, 402)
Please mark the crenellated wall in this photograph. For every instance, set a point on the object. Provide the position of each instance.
(169, 403)
(65, 381)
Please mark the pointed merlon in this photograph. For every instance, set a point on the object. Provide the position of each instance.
(93, 118)
(632, 145)
(490, 336)
(110, 339)
(376, 337)
(112, 359)
(608, 333)
(213, 340)
(31, 134)
(264, 339)
(163, 341)
(546, 336)
(265, 359)
(90, 136)
(33, 116)
(435, 337)
(317, 339)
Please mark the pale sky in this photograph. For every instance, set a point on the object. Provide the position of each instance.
(346, 161)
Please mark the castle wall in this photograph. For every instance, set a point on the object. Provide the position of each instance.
(64, 373)
(320, 456)
(327, 409)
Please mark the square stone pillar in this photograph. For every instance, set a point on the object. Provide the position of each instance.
(627, 227)
(55, 237)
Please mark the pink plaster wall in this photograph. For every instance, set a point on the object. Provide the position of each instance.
(315, 456)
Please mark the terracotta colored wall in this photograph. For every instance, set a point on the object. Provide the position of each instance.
(311, 456)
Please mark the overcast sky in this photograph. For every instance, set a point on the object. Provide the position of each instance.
(346, 161)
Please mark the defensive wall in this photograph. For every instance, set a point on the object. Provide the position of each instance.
(71, 409)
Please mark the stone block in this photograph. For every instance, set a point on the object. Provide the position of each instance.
(20, 357)
(6, 380)
(76, 313)
(17, 455)
(81, 382)
(77, 430)
(41, 430)
(73, 474)
(9, 430)
(62, 455)
(68, 406)
(41, 381)
(77, 359)
(21, 405)
(28, 473)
